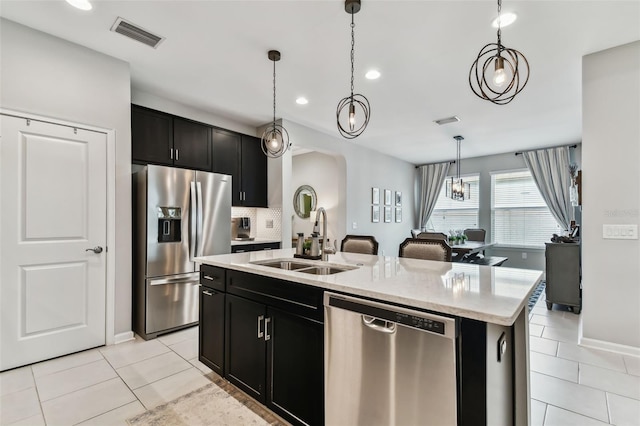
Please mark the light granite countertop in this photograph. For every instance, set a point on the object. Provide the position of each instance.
(492, 294)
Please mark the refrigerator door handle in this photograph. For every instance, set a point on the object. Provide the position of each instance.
(199, 223)
(193, 221)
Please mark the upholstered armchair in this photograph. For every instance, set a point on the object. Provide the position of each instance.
(420, 248)
(365, 244)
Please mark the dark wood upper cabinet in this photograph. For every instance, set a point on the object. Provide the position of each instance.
(226, 160)
(160, 138)
(191, 144)
(151, 136)
(254, 173)
(241, 157)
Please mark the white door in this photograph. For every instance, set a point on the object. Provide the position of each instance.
(52, 211)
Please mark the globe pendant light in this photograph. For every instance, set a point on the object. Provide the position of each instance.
(275, 139)
(510, 71)
(355, 107)
(456, 188)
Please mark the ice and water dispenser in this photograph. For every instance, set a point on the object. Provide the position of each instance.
(169, 224)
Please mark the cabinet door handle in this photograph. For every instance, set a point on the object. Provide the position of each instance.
(177, 154)
(208, 293)
(210, 278)
(260, 333)
(267, 336)
(171, 153)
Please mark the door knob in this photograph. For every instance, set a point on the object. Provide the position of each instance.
(96, 249)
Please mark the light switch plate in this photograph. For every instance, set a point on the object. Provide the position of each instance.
(620, 232)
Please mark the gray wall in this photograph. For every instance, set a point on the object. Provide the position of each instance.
(321, 172)
(611, 195)
(48, 76)
(519, 257)
(359, 169)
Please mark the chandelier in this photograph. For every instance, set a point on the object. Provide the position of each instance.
(275, 138)
(348, 106)
(510, 71)
(456, 188)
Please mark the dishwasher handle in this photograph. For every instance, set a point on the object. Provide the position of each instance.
(379, 325)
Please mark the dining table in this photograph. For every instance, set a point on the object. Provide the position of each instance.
(469, 248)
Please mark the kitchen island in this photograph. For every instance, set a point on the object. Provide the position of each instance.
(266, 330)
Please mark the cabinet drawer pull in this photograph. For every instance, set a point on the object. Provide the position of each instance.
(260, 333)
(267, 336)
(210, 278)
(208, 293)
(240, 251)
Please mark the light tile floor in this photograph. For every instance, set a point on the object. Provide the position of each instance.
(570, 384)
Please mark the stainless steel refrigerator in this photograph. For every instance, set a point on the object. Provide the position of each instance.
(178, 214)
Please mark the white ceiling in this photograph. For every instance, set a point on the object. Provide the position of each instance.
(214, 58)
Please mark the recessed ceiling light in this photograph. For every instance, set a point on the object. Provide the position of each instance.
(80, 4)
(506, 18)
(372, 74)
(302, 100)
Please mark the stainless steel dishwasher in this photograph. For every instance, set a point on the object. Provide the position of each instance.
(386, 365)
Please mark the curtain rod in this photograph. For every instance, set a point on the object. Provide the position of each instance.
(450, 162)
(570, 146)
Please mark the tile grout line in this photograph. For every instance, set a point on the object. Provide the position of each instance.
(35, 385)
(575, 412)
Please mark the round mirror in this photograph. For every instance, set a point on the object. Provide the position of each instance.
(304, 201)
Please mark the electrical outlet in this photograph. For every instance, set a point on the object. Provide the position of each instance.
(354, 225)
(269, 223)
(620, 232)
(524, 255)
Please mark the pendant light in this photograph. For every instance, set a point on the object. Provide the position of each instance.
(510, 71)
(456, 188)
(355, 106)
(275, 139)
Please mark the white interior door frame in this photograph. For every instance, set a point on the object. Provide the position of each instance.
(111, 218)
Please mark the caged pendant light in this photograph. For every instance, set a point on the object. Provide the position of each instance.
(275, 139)
(353, 103)
(510, 71)
(456, 188)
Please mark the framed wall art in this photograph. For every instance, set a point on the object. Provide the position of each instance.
(398, 214)
(398, 199)
(387, 214)
(375, 214)
(375, 196)
(387, 197)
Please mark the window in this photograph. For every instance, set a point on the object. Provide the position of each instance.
(451, 215)
(519, 215)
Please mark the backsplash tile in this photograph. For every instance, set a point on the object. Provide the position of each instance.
(259, 218)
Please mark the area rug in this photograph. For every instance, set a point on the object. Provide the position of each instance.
(218, 403)
(535, 295)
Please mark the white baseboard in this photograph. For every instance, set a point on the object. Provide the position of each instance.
(123, 337)
(609, 346)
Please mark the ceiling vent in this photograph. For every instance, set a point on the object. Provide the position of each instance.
(447, 120)
(136, 33)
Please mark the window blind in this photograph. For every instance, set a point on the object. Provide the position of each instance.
(519, 215)
(450, 215)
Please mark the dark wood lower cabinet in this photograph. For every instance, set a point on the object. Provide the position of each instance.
(212, 305)
(295, 367)
(245, 346)
(277, 358)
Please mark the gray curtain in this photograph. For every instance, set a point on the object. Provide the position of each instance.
(550, 171)
(432, 177)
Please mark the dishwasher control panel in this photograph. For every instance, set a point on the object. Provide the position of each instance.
(420, 322)
(397, 315)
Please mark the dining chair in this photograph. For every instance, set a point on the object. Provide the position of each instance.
(433, 236)
(475, 234)
(421, 248)
(365, 244)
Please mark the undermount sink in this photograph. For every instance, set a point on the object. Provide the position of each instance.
(307, 268)
(324, 270)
